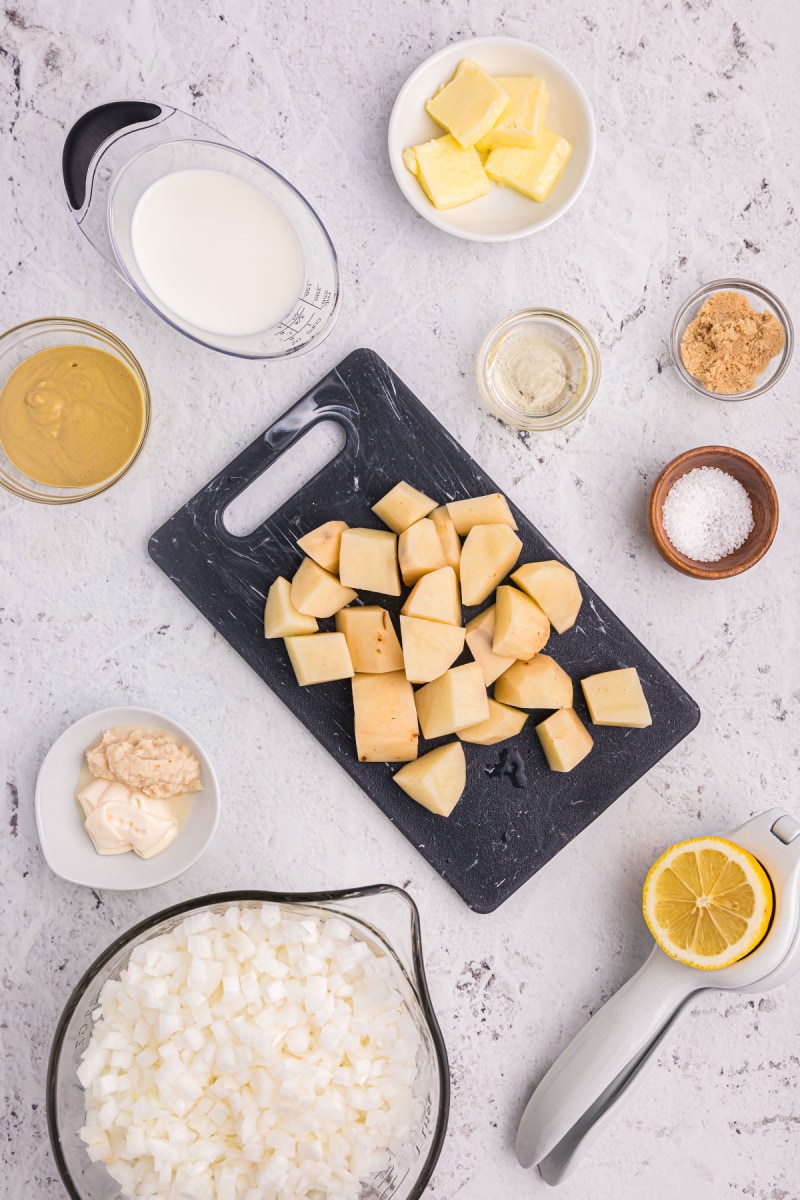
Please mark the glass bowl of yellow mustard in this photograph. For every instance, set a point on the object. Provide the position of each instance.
(74, 410)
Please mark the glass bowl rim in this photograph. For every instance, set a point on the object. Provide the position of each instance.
(588, 345)
(128, 357)
(419, 984)
(731, 284)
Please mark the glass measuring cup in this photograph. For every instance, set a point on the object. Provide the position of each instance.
(384, 916)
(114, 153)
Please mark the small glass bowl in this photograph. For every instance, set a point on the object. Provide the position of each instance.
(760, 299)
(20, 343)
(542, 321)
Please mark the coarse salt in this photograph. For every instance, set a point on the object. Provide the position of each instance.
(707, 514)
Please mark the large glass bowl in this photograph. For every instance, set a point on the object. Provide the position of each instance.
(20, 343)
(384, 916)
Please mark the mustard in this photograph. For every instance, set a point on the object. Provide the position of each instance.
(71, 416)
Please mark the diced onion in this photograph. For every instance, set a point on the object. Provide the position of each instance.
(250, 1053)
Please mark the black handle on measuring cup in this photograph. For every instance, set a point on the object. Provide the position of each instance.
(89, 132)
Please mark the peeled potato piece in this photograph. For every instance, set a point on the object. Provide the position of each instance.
(502, 723)
(371, 639)
(520, 628)
(437, 779)
(319, 657)
(368, 560)
(480, 635)
(435, 597)
(617, 698)
(429, 647)
(487, 556)
(447, 536)
(322, 544)
(540, 683)
(480, 510)
(385, 718)
(402, 506)
(419, 551)
(555, 589)
(316, 592)
(452, 702)
(565, 741)
(281, 618)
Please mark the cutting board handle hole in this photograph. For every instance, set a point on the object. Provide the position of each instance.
(295, 467)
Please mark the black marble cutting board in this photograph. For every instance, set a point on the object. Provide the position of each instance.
(500, 833)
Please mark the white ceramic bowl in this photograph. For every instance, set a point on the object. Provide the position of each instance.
(66, 844)
(503, 215)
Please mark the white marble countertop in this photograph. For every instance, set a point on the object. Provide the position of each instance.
(696, 178)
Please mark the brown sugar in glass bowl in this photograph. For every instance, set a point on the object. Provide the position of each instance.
(726, 351)
(763, 498)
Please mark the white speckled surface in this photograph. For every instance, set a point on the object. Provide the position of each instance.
(695, 179)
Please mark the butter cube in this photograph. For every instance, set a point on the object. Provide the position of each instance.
(410, 159)
(533, 172)
(523, 121)
(448, 174)
(616, 698)
(469, 105)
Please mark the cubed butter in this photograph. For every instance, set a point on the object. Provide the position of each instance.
(565, 741)
(617, 698)
(469, 105)
(523, 121)
(533, 172)
(448, 174)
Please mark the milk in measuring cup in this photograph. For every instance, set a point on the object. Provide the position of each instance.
(217, 252)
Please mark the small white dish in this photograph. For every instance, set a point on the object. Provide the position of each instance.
(503, 215)
(67, 847)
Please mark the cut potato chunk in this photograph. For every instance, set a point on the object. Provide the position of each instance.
(316, 592)
(419, 551)
(429, 648)
(540, 683)
(502, 723)
(555, 589)
(453, 701)
(480, 635)
(319, 657)
(386, 725)
(565, 741)
(480, 510)
(371, 639)
(281, 618)
(402, 506)
(617, 698)
(487, 556)
(521, 628)
(370, 557)
(322, 544)
(437, 780)
(435, 597)
(447, 536)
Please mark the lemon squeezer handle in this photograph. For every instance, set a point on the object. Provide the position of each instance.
(595, 1070)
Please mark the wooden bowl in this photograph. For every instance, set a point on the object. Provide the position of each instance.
(763, 498)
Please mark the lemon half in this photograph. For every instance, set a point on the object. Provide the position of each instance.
(707, 902)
